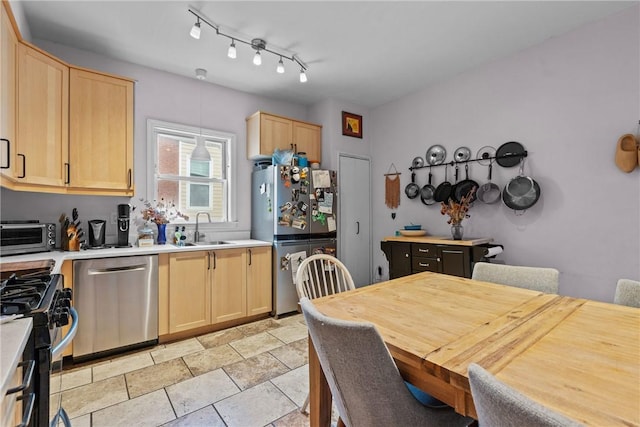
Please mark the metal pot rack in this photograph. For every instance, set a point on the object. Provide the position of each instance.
(453, 162)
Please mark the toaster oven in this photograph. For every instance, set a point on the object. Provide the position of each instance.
(25, 237)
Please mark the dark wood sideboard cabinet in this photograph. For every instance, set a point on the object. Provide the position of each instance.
(414, 255)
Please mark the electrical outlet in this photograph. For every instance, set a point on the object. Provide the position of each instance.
(113, 218)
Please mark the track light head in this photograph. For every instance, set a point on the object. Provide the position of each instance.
(257, 59)
(303, 76)
(280, 67)
(231, 53)
(195, 30)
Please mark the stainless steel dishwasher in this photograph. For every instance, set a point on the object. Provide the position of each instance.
(117, 299)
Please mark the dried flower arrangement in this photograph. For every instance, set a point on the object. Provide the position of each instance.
(160, 212)
(457, 211)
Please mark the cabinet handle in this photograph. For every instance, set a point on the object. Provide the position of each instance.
(406, 255)
(423, 265)
(214, 260)
(358, 225)
(208, 260)
(452, 252)
(24, 165)
(26, 380)
(438, 259)
(295, 148)
(8, 153)
(292, 147)
(68, 169)
(130, 178)
(426, 251)
(249, 250)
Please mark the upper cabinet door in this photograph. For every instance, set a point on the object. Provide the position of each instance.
(8, 49)
(307, 138)
(42, 123)
(100, 132)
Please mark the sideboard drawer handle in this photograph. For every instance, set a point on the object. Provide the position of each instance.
(424, 265)
(423, 250)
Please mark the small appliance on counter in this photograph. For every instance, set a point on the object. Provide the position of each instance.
(123, 225)
(96, 233)
(26, 236)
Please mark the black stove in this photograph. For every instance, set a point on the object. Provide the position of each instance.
(41, 296)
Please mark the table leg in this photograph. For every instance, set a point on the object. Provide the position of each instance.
(319, 393)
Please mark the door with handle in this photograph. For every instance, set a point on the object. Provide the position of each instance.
(355, 217)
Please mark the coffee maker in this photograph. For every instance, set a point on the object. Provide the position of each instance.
(123, 225)
(96, 233)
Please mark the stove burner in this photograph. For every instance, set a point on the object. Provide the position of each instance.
(21, 295)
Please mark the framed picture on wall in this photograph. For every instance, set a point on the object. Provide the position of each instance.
(351, 124)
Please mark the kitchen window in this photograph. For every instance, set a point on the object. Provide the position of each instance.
(193, 168)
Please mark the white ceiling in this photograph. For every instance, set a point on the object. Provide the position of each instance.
(366, 53)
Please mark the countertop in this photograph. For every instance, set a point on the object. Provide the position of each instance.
(60, 256)
(439, 240)
(13, 338)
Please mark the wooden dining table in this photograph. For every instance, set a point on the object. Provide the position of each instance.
(576, 356)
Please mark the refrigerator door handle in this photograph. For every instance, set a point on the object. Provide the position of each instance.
(358, 225)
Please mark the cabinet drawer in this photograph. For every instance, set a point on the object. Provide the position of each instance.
(419, 264)
(424, 250)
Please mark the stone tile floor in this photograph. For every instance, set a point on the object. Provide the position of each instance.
(250, 375)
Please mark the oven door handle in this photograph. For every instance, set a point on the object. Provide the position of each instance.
(59, 348)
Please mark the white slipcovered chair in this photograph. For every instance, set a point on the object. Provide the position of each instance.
(627, 293)
(497, 404)
(534, 278)
(364, 380)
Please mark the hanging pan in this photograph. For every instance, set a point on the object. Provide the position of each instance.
(489, 192)
(462, 188)
(443, 191)
(509, 154)
(412, 189)
(427, 193)
(522, 192)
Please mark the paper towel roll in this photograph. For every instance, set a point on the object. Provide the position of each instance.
(493, 251)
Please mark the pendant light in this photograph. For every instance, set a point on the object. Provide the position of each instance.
(200, 152)
(195, 30)
(303, 76)
(231, 53)
(280, 67)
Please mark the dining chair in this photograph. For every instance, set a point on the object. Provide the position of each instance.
(534, 278)
(627, 293)
(498, 404)
(320, 275)
(363, 378)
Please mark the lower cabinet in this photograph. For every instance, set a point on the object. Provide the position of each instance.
(408, 258)
(202, 288)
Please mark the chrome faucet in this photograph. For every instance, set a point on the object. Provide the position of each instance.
(196, 235)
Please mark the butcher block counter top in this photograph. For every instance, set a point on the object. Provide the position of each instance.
(439, 240)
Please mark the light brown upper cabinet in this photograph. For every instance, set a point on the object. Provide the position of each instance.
(100, 133)
(266, 132)
(42, 140)
(8, 61)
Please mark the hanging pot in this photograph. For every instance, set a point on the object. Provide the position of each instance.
(509, 154)
(462, 188)
(412, 189)
(427, 193)
(489, 192)
(443, 191)
(521, 192)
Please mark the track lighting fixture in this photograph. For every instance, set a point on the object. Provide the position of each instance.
(231, 53)
(195, 30)
(259, 45)
(201, 73)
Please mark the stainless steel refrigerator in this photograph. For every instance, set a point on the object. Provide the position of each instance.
(296, 209)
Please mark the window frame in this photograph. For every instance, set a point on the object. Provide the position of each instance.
(155, 127)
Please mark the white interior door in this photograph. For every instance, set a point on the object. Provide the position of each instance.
(354, 186)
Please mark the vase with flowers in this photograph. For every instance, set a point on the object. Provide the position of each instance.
(161, 213)
(457, 212)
